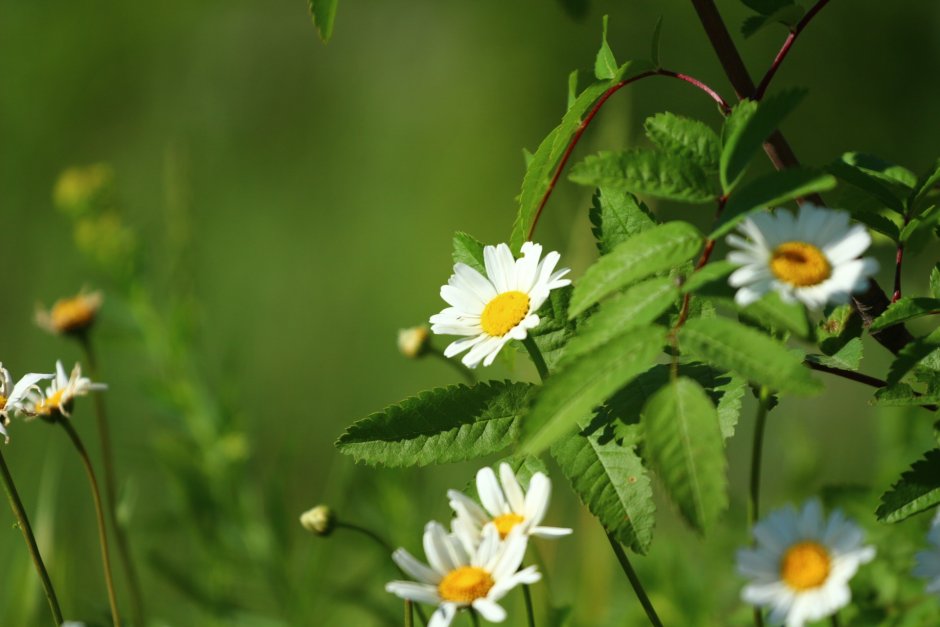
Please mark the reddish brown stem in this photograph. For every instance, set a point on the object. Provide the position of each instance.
(899, 258)
(725, 109)
(703, 259)
(785, 49)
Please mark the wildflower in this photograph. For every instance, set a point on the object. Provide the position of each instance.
(506, 506)
(70, 316)
(413, 342)
(928, 562)
(58, 397)
(802, 564)
(461, 575)
(12, 395)
(812, 257)
(489, 311)
(321, 520)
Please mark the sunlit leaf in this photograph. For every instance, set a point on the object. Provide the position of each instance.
(689, 138)
(617, 216)
(469, 250)
(646, 171)
(917, 490)
(905, 309)
(324, 14)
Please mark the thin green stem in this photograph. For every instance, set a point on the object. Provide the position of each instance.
(456, 364)
(474, 619)
(753, 505)
(110, 488)
(835, 620)
(635, 582)
(536, 355)
(99, 511)
(529, 610)
(23, 523)
(409, 614)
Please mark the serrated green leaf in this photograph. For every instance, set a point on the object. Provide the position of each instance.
(730, 398)
(439, 426)
(654, 46)
(539, 172)
(769, 191)
(323, 13)
(617, 216)
(753, 24)
(638, 306)
(605, 65)
(572, 89)
(684, 445)
(917, 352)
(903, 395)
(775, 315)
(645, 171)
(868, 183)
(849, 357)
(571, 395)
(922, 188)
(788, 15)
(555, 327)
(917, 490)
(686, 137)
(905, 309)
(611, 481)
(654, 250)
(894, 175)
(745, 140)
(468, 250)
(935, 281)
(840, 326)
(717, 271)
(755, 356)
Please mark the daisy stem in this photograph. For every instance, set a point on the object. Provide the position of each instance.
(99, 512)
(474, 619)
(529, 610)
(23, 523)
(835, 620)
(465, 372)
(409, 614)
(634, 581)
(110, 488)
(756, 451)
(536, 355)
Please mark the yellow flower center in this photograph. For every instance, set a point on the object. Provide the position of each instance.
(3, 402)
(504, 312)
(805, 565)
(465, 584)
(800, 264)
(506, 522)
(73, 314)
(50, 404)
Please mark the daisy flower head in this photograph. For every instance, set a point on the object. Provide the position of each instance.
(802, 564)
(70, 316)
(11, 396)
(811, 257)
(928, 562)
(506, 506)
(490, 310)
(57, 399)
(462, 575)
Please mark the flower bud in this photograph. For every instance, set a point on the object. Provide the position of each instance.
(70, 316)
(81, 190)
(413, 342)
(320, 520)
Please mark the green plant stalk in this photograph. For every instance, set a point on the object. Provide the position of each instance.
(634, 581)
(409, 615)
(99, 511)
(529, 610)
(536, 355)
(474, 619)
(465, 372)
(110, 488)
(23, 523)
(753, 504)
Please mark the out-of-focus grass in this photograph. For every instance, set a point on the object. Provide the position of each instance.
(321, 186)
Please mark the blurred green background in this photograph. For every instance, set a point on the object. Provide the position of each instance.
(293, 205)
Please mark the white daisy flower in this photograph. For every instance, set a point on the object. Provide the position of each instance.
(928, 562)
(507, 506)
(811, 258)
(463, 575)
(12, 395)
(493, 309)
(802, 564)
(58, 397)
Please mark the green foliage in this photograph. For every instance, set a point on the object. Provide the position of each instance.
(769, 191)
(688, 138)
(849, 357)
(746, 131)
(611, 481)
(685, 447)
(935, 281)
(605, 65)
(917, 352)
(540, 169)
(655, 250)
(785, 12)
(655, 44)
(570, 396)
(905, 309)
(886, 183)
(468, 250)
(713, 274)
(617, 216)
(639, 305)
(917, 490)
(555, 327)
(439, 426)
(755, 356)
(925, 185)
(324, 14)
(777, 316)
(645, 171)
(903, 395)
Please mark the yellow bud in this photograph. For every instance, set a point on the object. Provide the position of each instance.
(413, 342)
(81, 189)
(320, 520)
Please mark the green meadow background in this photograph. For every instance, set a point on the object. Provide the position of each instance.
(293, 206)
